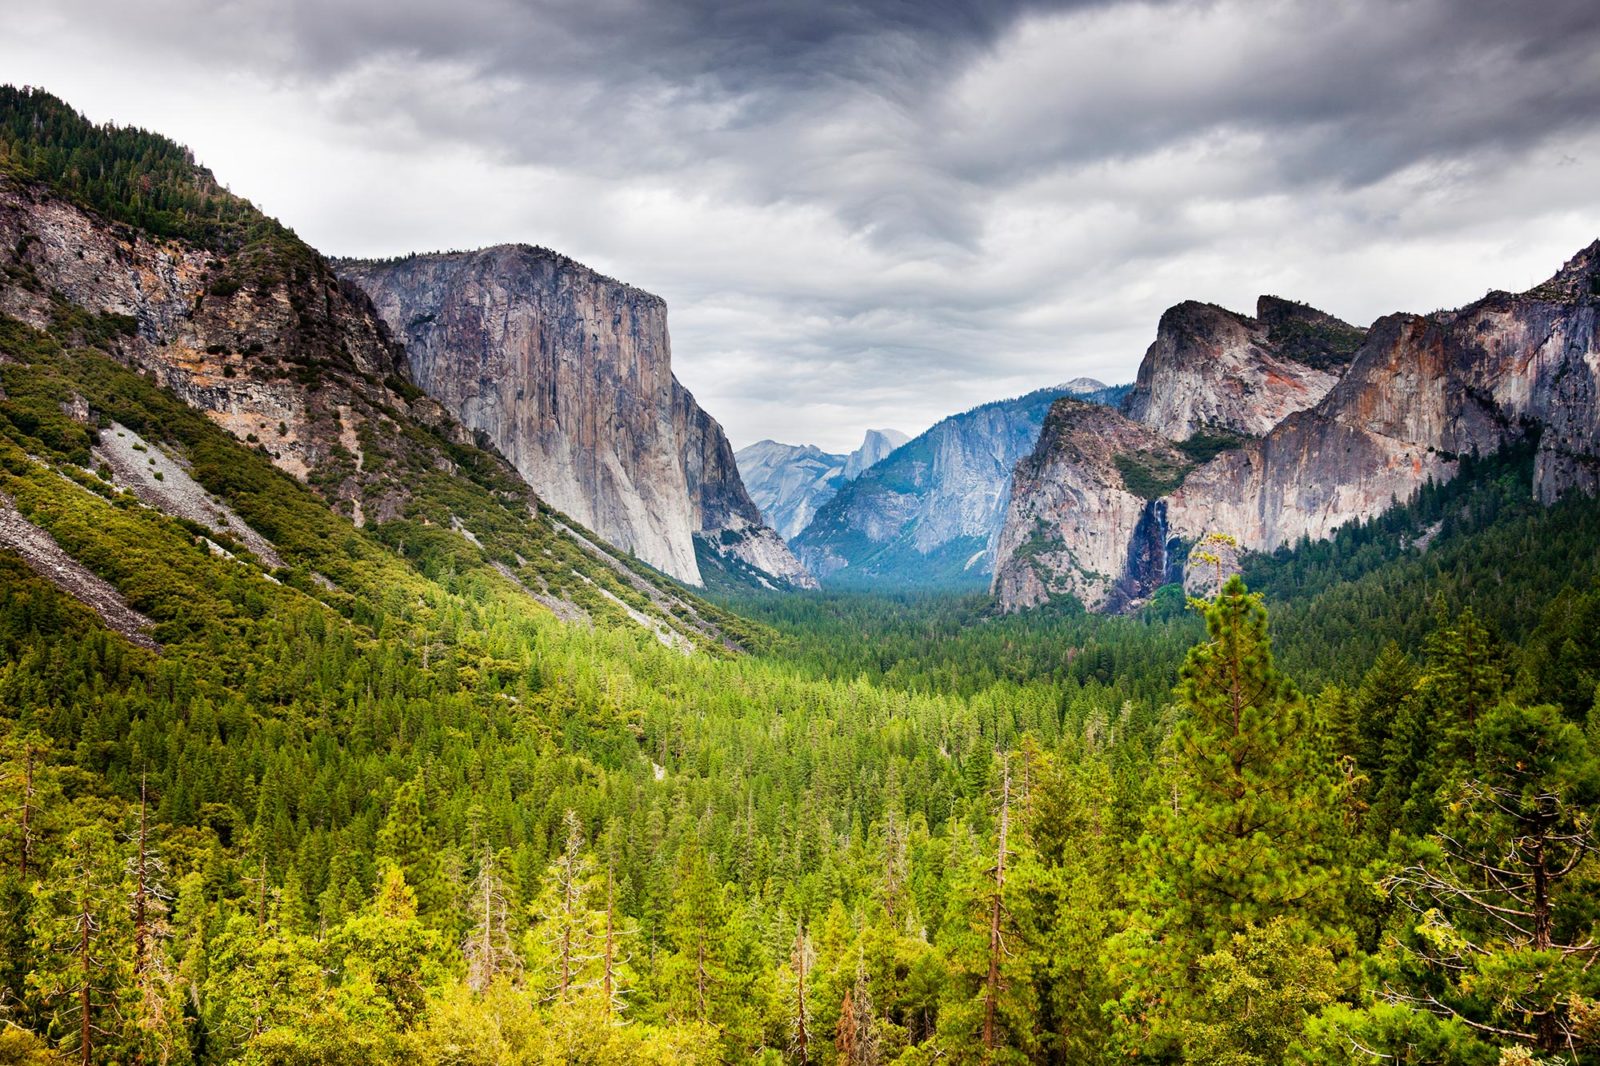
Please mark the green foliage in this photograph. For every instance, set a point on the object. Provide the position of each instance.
(1241, 835)
(1205, 445)
(127, 174)
(1499, 902)
(1148, 475)
(398, 812)
(1325, 345)
(1257, 994)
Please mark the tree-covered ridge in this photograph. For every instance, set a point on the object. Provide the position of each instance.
(127, 174)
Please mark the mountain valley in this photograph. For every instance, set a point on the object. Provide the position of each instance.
(399, 665)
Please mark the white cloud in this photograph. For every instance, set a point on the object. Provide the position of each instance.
(862, 220)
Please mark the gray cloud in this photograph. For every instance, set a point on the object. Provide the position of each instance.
(876, 212)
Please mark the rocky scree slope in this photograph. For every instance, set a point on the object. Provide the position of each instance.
(1418, 392)
(568, 374)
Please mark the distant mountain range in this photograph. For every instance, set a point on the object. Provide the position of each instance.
(929, 514)
(788, 482)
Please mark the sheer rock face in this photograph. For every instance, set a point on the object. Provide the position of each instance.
(1073, 527)
(875, 447)
(789, 481)
(1211, 369)
(282, 356)
(568, 374)
(1420, 391)
(727, 523)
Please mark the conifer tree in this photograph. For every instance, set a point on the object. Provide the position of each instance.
(31, 789)
(571, 935)
(1245, 840)
(1501, 901)
(694, 971)
(855, 1034)
(79, 929)
(615, 973)
(153, 1012)
(1243, 834)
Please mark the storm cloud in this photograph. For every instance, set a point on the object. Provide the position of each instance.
(878, 213)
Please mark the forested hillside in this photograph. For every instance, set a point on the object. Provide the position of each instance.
(413, 815)
(458, 786)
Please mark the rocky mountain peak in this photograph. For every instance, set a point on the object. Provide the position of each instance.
(1577, 280)
(1211, 369)
(875, 447)
(1083, 384)
(1417, 392)
(1083, 519)
(1306, 335)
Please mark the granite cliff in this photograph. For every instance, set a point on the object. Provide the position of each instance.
(1418, 392)
(730, 534)
(119, 253)
(1077, 524)
(1423, 390)
(1212, 369)
(265, 340)
(568, 374)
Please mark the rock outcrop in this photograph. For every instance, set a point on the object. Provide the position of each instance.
(265, 341)
(1212, 369)
(1419, 392)
(1075, 526)
(568, 374)
(876, 446)
(227, 313)
(1423, 390)
(789, 482)
(730, 533)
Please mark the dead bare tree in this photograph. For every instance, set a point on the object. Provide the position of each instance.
(801, 958)
(488, 948)
(149, 902)
(612, 959)
(568, 923)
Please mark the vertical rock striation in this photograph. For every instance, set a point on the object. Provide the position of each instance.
(729, 530)
(568, 374)
(1075, 526)
(264, 339)
(1213, 369)
(930, 512)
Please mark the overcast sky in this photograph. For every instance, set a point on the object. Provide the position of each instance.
(878, 213)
